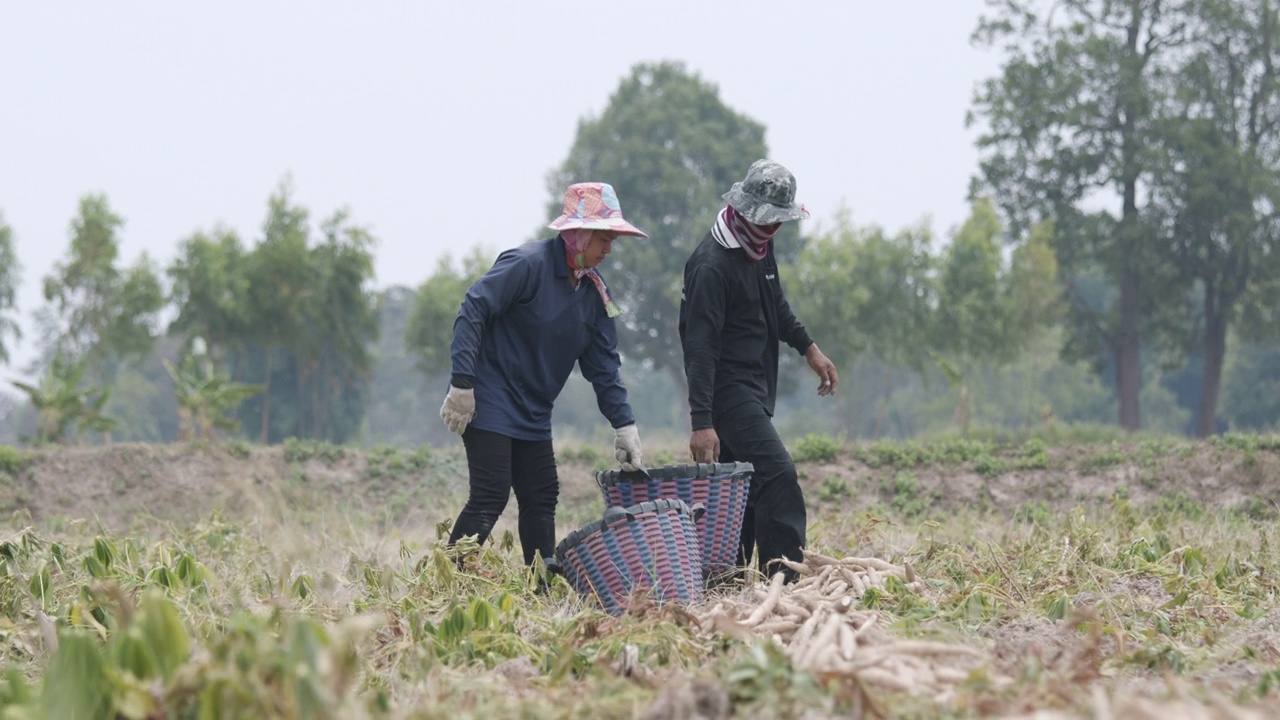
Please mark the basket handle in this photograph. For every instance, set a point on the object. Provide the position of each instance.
(626, 475)
(553, 566)
(633, 475)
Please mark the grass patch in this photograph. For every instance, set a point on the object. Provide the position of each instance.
(816, 447)
(13, 460)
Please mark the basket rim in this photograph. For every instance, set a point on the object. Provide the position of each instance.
(576, 537)
(607, 478)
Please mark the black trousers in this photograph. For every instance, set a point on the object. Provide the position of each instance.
(775, 518)
(499, 464)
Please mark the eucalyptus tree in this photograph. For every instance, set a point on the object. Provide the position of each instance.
(209, 288)
(1068, 130)
(342, 320)
(670, 147)
(10, 272)
(281, 281)
(99, 311)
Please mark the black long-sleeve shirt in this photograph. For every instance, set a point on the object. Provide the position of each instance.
(733, 314)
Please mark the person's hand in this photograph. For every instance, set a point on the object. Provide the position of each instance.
(459, 408)
(626, 448)
(704, 446)
(824, 369)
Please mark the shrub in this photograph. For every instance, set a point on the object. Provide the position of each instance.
(587, 455)
(13, 460)
(834, 489)
(817, 447)
(299, 449)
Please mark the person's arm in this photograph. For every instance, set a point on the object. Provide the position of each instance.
(602, 367)
(705, 297)
(489, 297)
(792, 332)
(509, 279)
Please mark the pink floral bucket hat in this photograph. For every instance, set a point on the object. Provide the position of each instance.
(593, 206)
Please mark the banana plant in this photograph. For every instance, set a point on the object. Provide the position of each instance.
(63, 405)
(205, 397)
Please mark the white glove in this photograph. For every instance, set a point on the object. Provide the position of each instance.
(458, 409)
(626, 448)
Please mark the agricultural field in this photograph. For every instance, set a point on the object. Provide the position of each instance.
(1037, 578)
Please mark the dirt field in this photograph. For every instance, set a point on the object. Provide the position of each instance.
(1133, 580)
(117, 485)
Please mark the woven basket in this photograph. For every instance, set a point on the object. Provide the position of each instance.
(650, 546)
(721, 488)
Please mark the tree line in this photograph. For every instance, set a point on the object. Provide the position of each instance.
(1118, 264)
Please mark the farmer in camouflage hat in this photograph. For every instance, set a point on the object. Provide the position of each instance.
(733, 317)
(542, 308)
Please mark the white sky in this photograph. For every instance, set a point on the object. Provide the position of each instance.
(436, 123)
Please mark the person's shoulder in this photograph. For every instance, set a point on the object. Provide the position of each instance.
(533, 251)
(533, 247)
(709, 253)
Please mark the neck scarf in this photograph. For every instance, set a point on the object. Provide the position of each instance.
(732, 230)
(575, 245)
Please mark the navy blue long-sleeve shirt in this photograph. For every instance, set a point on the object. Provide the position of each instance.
(518, 334)
(733, 314)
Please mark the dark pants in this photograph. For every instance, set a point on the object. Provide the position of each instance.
(498, 464)
(775, 518)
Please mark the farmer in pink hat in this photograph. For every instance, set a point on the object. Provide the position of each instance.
(541, 309)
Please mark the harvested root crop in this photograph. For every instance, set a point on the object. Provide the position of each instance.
(816, 620)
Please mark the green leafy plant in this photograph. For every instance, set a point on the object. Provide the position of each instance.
(834, 489)
(13, 460)
(63, 405)
(205, 398)
(815, 447)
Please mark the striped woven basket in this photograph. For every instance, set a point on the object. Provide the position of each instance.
(648, 547)
(721, 488)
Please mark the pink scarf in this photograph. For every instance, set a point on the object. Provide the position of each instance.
(575, 245)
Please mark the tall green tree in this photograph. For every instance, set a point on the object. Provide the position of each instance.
(342, 326)
(869, 296)
(307, 324)
(281, 281)
(1068, 127)
(10, 272)
(100, 311)
(209, 288)
(671, 148)
(429, 329)
(1220, 192)
(989, 313)
(972, 321)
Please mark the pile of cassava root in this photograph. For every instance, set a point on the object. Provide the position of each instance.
(815, 621)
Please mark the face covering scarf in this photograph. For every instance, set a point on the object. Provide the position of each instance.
(731, 229)
(575, 245)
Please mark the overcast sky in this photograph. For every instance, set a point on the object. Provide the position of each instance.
(436, 123)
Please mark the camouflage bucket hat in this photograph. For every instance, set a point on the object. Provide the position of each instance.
(767, 195)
